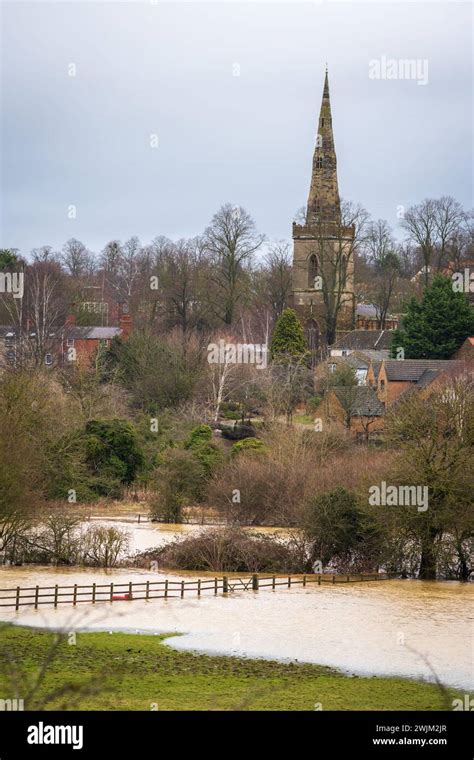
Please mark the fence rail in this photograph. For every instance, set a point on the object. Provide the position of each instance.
(74, 594)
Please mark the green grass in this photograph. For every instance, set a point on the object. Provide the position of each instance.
(304, 419)
(120, 671)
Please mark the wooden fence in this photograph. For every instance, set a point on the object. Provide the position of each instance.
(164, 589)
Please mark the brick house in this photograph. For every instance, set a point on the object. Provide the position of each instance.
(79, 344)
(393, 377)
(359, 409)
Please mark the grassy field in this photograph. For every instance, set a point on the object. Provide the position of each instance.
(119, 671)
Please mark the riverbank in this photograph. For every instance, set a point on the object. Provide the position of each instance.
(121, 671)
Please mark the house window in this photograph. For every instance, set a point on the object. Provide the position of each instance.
(332, 367)
(344, 352)
(70, 342)
(48, 359)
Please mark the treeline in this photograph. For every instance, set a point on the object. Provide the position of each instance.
(230, 277)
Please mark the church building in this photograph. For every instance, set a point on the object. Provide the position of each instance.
(323, 263)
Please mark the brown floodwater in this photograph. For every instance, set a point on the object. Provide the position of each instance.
(408, 628)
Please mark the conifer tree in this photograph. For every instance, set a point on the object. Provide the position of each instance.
(436, 326)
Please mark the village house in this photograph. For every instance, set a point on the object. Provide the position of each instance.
(79, 344)
(393, 377)
(367, 318)
(374, 344)
(359, 409)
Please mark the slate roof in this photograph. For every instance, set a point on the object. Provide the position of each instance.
(75, 332)
(376, 367)
(366, 310)
(358, 340)
(355, 360)
(363, 399)
(412, 370)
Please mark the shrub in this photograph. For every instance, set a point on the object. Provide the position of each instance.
(103, 546)
(199, 435)
(177, 482)
(248, 444)
(339, 531)
(230, 550)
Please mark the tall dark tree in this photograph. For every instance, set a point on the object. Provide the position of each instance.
(288, 337)
(436, 326)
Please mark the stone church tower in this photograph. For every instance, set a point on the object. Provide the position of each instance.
(323, 265)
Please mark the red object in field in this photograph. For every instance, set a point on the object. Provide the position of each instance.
(122, 596)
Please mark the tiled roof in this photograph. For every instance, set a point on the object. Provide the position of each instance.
(375, 340)
(411, 370)
(363, 401)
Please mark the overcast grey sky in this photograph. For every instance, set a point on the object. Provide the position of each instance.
(168, 69)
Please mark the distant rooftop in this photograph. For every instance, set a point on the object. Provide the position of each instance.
(413, 370)
(360, 340)
(363, 401)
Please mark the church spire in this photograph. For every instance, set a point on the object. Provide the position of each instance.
(323, 200)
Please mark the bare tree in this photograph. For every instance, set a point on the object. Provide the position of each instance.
(231, 240)
(75, 258)
(381, 250)
(432, 225)
(334, 249)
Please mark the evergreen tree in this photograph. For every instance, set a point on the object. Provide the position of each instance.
(436, 326)
(288, 338)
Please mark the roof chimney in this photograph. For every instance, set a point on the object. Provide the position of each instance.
(125, 326)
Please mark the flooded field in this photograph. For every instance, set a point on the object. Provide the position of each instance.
(408, 628)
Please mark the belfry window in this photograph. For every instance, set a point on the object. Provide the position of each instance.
(319, 162)
(312, 270)
(322, 122)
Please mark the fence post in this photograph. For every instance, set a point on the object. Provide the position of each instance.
(166, 588)
(147, 590)
(347, 579)
(254, 582)
(56, 595)
(17, 602)
(111, 591)
(304, 581)
(139, 519)
(225, 584)
(274, 583)
(130, 589)
(319, 580)
(215, 585)
(93, 593)
(333, 578)
(199, 587)
(182, 589)
(74, 598)
(36, 597)
(289, 581)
